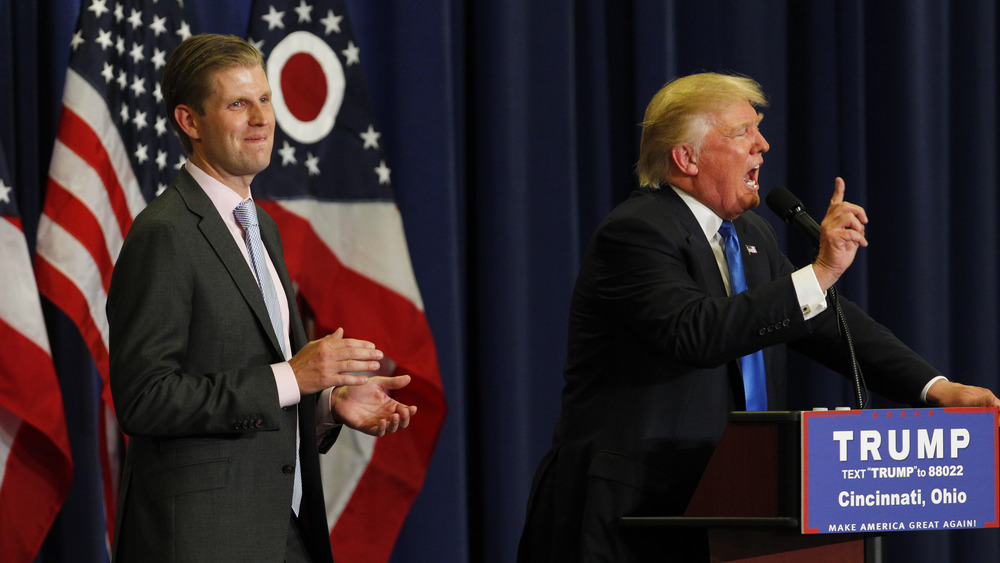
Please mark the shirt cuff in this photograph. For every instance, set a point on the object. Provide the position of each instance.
(288, 387)
(812, 298)
(324, 410)
(923, 394)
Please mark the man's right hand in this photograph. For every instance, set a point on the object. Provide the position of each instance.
(328, 362)
(841, 233)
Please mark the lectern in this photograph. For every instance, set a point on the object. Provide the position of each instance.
(823, 486)
(749, 499)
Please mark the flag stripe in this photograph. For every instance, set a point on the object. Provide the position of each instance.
(77, 136)
(80, 180)
(28, 373)
(317, 269)
(30, 496)
(344, 465)
(382, 254)
(108, 436)
(9, 424)
(81, 224)
(90, 106)
(20, 307)
(65, 294)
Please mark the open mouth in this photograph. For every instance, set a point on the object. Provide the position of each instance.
(750, 179)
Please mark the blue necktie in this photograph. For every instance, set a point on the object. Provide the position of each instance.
(246, 215)
(754, 385)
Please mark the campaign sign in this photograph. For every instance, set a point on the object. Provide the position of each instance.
(899, 470)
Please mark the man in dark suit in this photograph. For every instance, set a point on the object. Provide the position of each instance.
(656, 333)
(225, 403)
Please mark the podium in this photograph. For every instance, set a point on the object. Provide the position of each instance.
(749, 499)
(824, 486)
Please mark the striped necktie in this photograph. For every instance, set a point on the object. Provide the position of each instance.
(246, 215)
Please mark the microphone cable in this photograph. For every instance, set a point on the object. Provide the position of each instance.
(856, 373)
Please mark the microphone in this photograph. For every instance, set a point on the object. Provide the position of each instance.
(790, 209)
(785, 205)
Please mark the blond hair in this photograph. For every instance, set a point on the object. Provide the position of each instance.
(680, 113)
(187, 76)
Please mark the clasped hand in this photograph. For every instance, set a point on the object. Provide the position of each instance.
(361, 403)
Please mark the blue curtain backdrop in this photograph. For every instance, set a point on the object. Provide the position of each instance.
(511, 130)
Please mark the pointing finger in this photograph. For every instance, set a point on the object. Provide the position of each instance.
(838, 191)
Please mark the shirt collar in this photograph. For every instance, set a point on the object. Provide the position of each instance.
(706, 218)
(223, 197)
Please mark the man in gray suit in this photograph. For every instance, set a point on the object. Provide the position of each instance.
(225, 403)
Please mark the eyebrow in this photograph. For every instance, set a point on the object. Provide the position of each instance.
(760, 117)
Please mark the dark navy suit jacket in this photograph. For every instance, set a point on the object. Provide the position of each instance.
(651, 373)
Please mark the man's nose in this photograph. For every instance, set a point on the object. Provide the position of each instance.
(762, 143)
(260, 114)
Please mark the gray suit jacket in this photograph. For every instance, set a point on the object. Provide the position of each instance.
(210, 459)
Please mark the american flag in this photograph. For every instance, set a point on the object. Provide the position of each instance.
(113, 151)
(36, 467)
(329, 189)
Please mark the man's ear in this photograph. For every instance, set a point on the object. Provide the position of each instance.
(684, 159)
(187, 119)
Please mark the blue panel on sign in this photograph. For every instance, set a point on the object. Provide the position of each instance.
(899, 470)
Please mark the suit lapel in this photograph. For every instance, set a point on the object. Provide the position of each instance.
(221, 240)
(701, 250)
(704, 256)
(755, 265)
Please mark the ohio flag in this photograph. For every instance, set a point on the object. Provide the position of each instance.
(329, 189)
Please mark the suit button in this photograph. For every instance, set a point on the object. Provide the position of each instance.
(784, 322)
(762, 331)
(258, 423)
(288, 469)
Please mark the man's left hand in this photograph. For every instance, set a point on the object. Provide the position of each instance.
(368, 408)
(950, 394)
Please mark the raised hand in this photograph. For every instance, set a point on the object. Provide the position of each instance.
(841, 233)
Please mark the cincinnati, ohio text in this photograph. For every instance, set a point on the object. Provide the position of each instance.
(913, 498)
